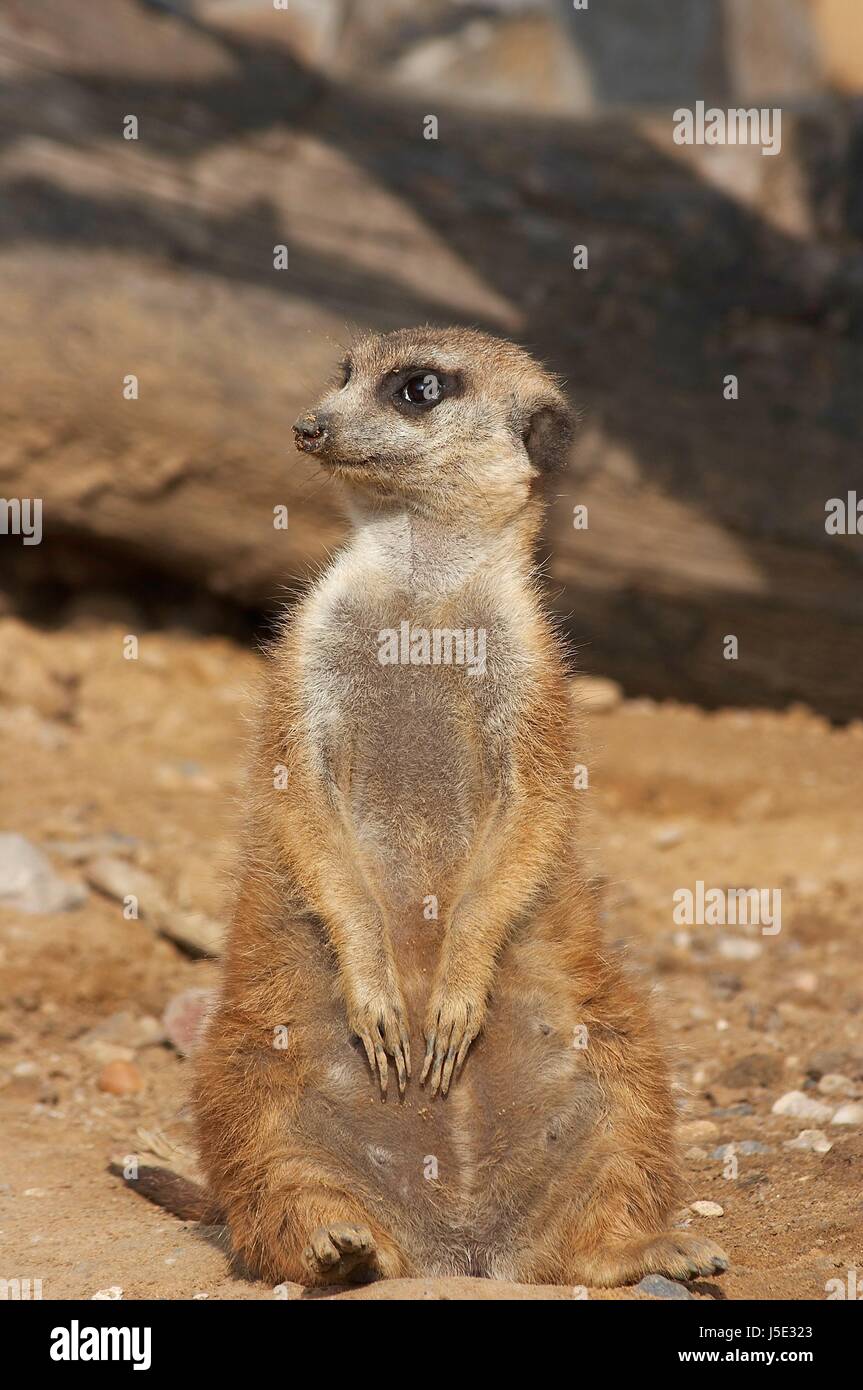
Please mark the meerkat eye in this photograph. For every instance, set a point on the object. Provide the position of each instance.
(426, 388)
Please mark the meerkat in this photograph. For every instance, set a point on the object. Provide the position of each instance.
(424, 1059)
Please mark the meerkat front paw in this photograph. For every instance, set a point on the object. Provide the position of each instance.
(380, 1023)
(342, 1253)
(452, 1023)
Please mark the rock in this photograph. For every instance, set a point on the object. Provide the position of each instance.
(102, 1052)
(847, 1063)
(731, 1112)
(660, 1287)
(185, 1016)
(125, 1029)
(89, 846)
(120, 1078)
(28, 882)
(707, 1209)
(756, 1069)
(112, 1292)
(595, 694)
(119, 879)
(667, 836)
(195, 932)
(798, 1105)
(742, 1146)
(833, 1083)
(811, 1140)
(738, 947)
(806, 981)
(850, 1114)
(694, 1131)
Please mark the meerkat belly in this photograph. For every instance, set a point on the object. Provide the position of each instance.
(466, 1171)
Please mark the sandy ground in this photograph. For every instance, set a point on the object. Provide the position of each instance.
(96, 746)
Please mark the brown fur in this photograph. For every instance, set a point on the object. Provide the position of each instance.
(517, 1154)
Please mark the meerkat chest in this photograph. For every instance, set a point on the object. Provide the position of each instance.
(411, 707)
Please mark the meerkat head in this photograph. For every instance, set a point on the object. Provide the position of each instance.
(440, 417)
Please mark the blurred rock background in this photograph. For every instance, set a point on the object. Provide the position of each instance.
(304, 127)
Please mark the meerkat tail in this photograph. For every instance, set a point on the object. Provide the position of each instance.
(174, 1193)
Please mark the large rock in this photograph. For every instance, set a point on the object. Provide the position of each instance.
(155, 258)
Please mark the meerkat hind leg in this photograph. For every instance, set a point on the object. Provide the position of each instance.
(676, 1254)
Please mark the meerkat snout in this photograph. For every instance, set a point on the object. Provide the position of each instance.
(445, 417)
(310, 433)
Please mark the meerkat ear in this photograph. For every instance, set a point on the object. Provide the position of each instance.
(547, 433)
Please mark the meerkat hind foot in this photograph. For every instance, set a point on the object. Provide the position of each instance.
(342, 1253)
(676, 1254)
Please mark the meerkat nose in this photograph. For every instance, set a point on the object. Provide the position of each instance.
(310, 433)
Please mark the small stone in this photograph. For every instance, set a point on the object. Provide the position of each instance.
(695, 1154)
(850, 1114)
(811, 1140)
(833, 1083)
(660, 1287)
(120, 1079)
(667, 836)
(126, 1030)
(742, 1146)
(112, 1292)
(119, 879)
(739, 948)
(28, 882)
(806, 981)
(800, 1107)
(707, 1209)
(185, 1016)
(731, 1112)
(694, 1131)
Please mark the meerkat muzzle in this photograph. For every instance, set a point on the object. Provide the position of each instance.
(310, 434)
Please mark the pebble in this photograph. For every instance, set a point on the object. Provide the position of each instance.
(126, 1030)
(119, 879)
(28, 882)
(184, 1018)
(696, 1130)
(120, 1078)
(850, 1114)
(667, 836)
(694, 1154)
(88, 846)
(796, 1104)
(742, 1146)
(739, 948)
(112, 1292)
(811, 1140)
(707, 1208)
(835, 1084)
(661, 1287)
(731, 1112)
